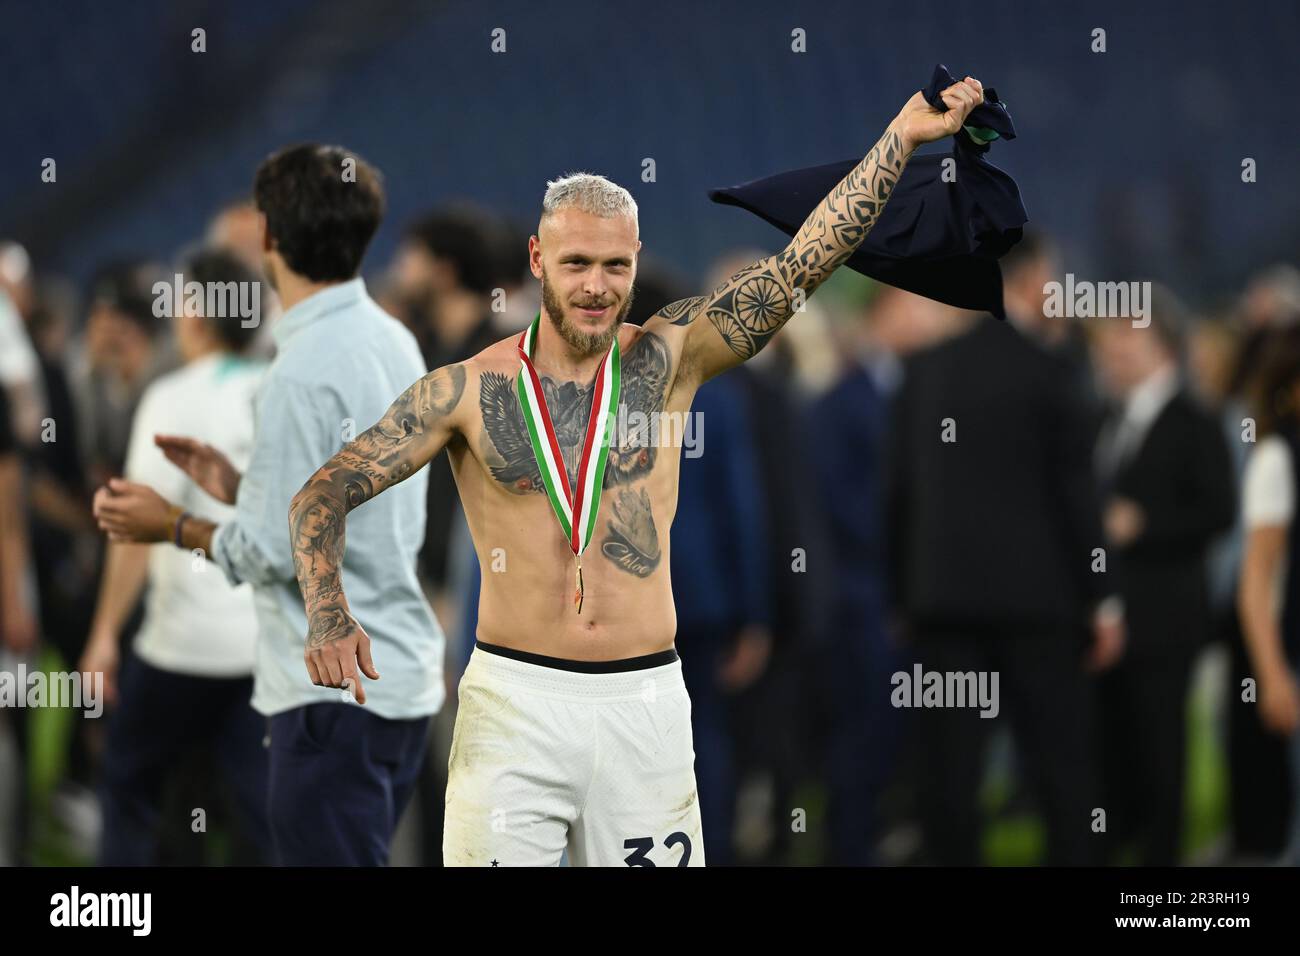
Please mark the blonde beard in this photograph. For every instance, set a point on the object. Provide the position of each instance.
(586, 343)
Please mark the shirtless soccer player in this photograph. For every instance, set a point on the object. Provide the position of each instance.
(574, 724)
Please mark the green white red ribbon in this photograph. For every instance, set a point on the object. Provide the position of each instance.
(575, 507)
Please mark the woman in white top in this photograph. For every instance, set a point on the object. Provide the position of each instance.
(1268, 596)
(189, 681)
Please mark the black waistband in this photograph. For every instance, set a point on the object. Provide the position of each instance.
(658, 659)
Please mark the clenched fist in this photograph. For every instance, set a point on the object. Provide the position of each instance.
(919, 122)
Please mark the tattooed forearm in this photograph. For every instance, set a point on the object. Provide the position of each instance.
(414, 429)
(835, 229)
(752, 306)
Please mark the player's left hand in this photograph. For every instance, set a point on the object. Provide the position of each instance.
(131, 513)
(919, 122)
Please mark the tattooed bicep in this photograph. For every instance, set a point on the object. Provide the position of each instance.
(429, 399)
(415, 427)
(750, 307)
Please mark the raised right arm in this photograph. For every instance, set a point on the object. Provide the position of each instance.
(417, 426)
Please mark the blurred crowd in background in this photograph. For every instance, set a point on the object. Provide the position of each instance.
(834, 531)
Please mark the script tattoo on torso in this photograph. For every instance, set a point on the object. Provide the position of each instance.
(633, 542)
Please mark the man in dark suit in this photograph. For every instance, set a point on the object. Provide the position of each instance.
(993, 523)
(1168, 481)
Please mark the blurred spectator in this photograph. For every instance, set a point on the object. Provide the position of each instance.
(720, 587)
(776, 716)
(65, 544)
(1168, 489)
(237, 228)
(18, 626)
(122, 355)
(188, 682)
(1270, 302)
(445, 282)
(522, 296)
(1027, 269)
(848, 432)
(1257, 760)
(17, 616)
(445, 272)
(1269, 596)
(1272, 298)
(56, 517)
(19, 369)
(993, 519)
(720, 570)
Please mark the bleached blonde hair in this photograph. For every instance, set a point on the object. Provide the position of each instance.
(589, 193)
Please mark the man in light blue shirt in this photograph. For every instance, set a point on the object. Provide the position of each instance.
(340, 358)
(340, 773)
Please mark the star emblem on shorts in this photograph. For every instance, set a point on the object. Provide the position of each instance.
(494, 863)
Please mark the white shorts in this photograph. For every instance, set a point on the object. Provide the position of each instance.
(545, 758)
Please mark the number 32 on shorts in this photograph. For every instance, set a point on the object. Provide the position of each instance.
(640, 846)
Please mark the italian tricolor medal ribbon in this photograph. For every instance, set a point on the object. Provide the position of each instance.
(576, 508)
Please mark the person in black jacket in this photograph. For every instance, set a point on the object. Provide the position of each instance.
(993, 522)
(1170, 490)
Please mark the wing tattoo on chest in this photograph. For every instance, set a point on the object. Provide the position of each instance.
(508, 452)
